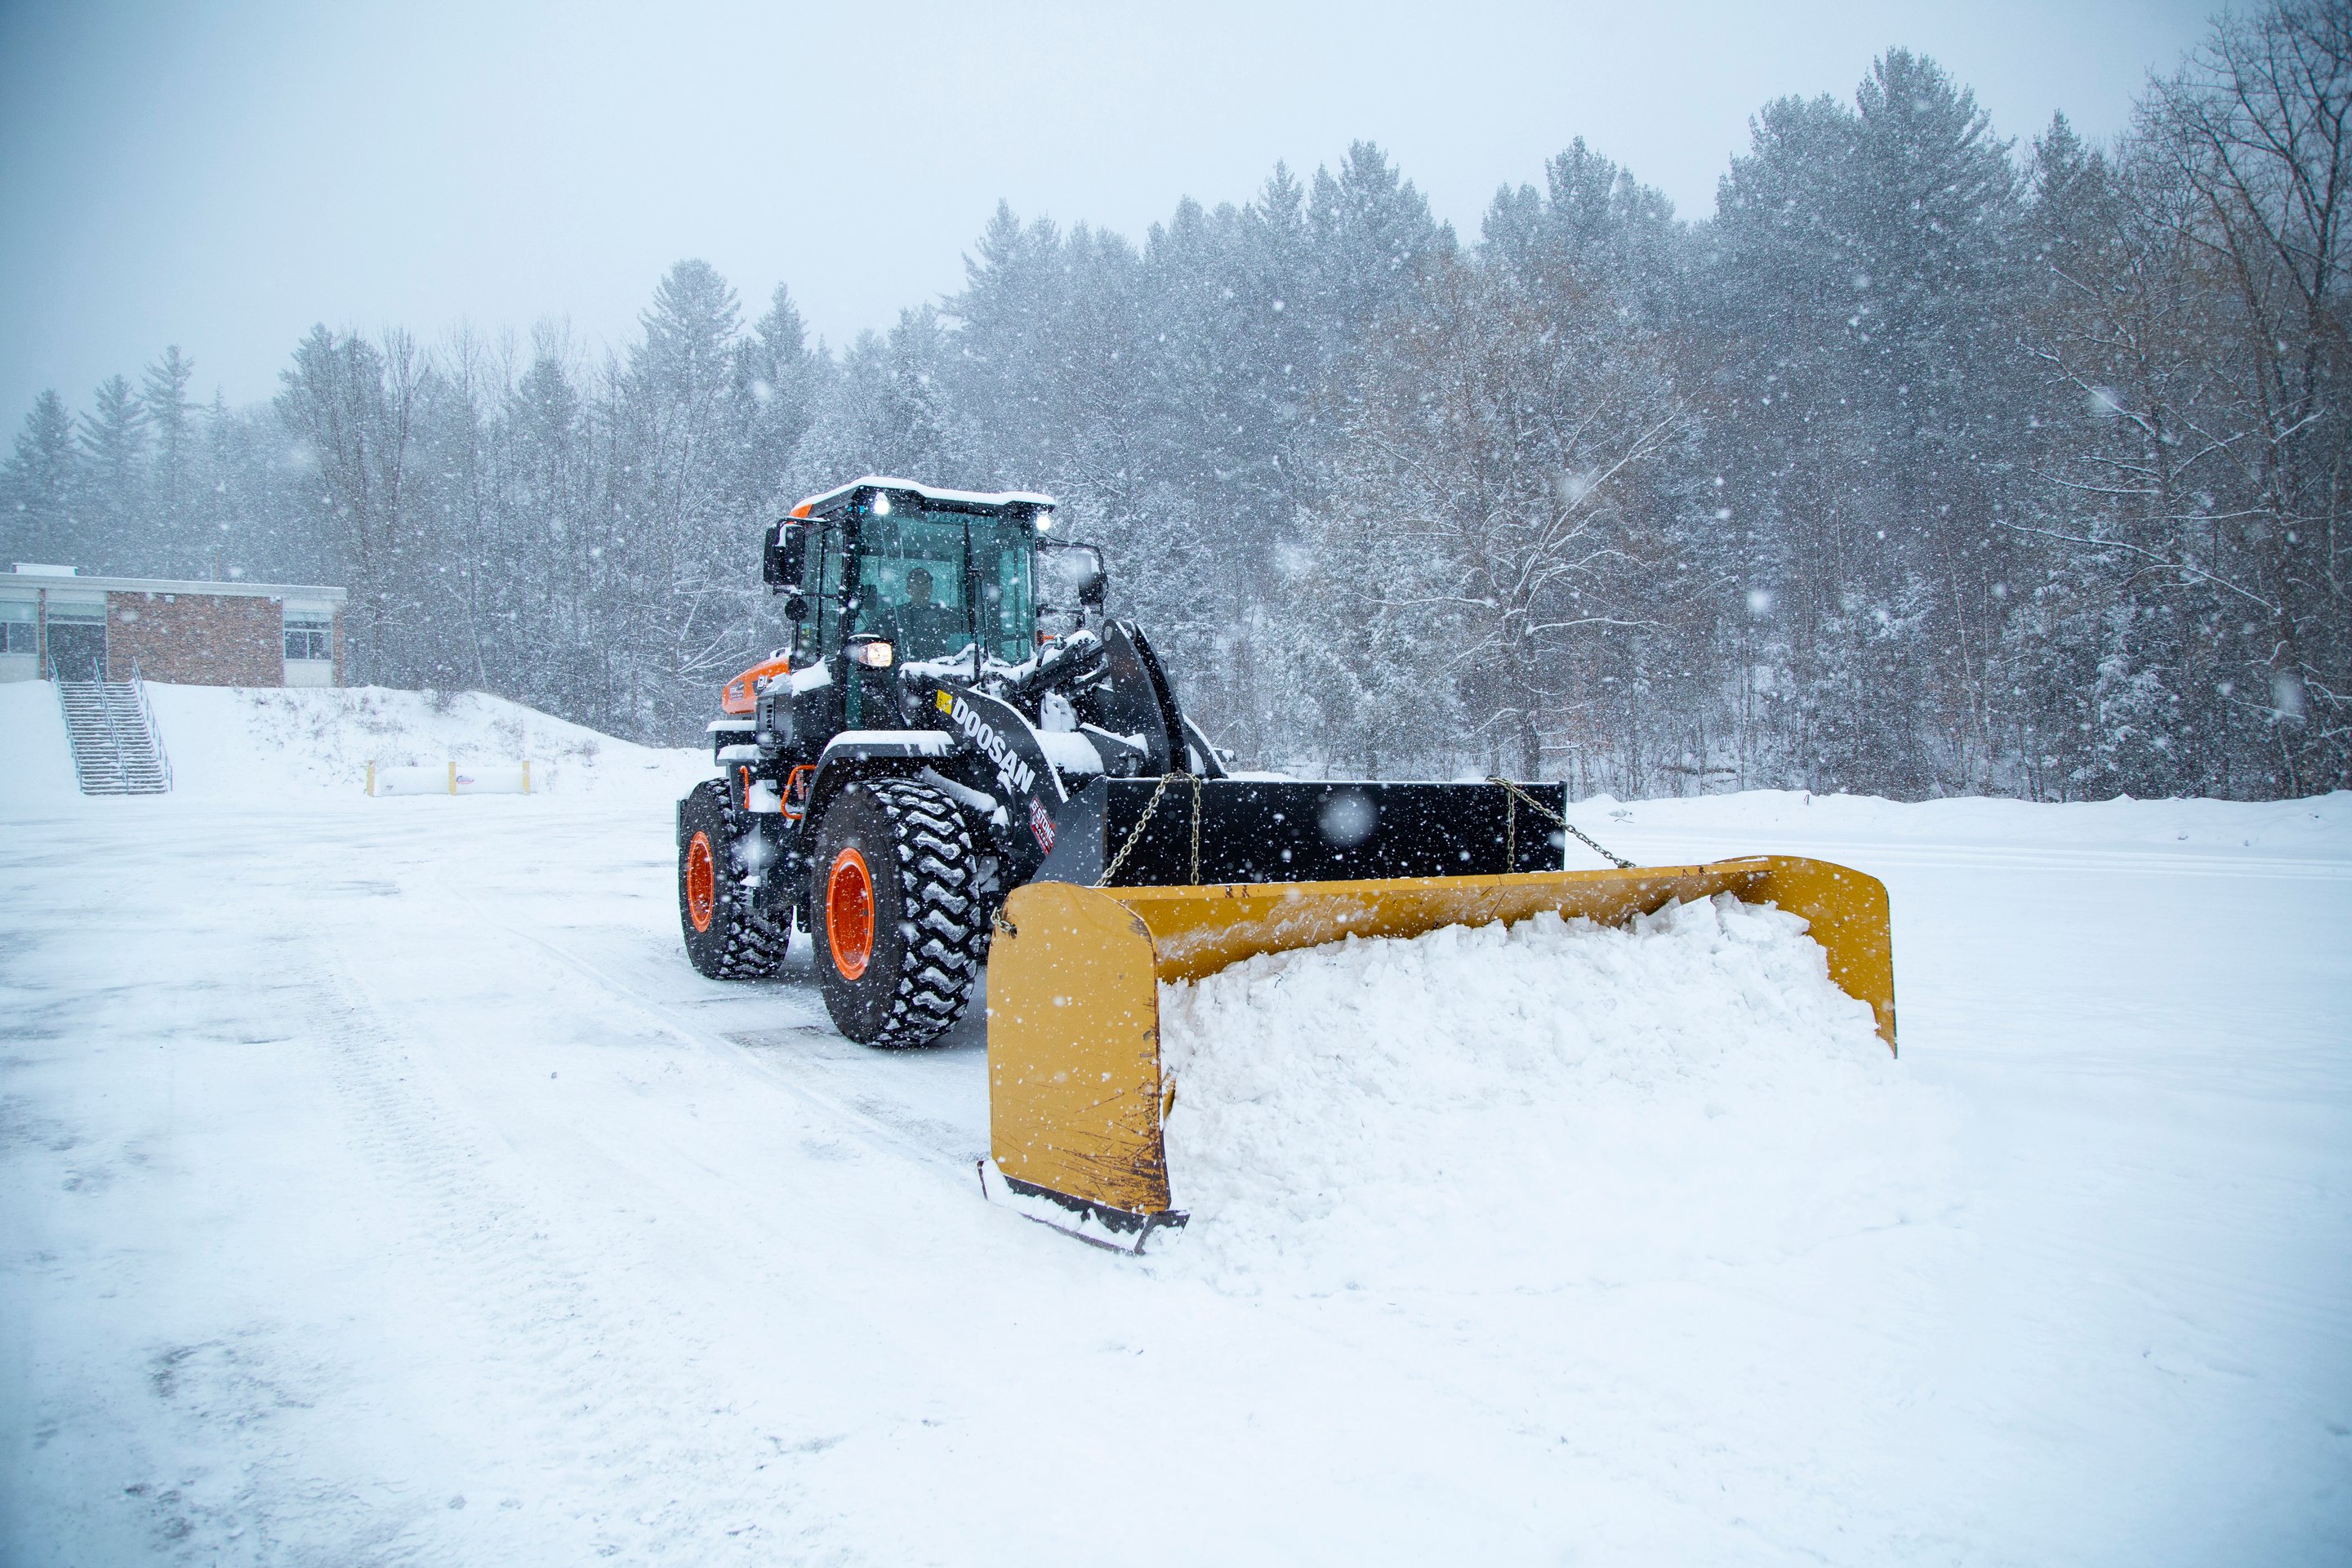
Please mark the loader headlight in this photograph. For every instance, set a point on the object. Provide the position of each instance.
(882, 509)
(872, 655)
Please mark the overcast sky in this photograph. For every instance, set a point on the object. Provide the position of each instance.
(224, 177)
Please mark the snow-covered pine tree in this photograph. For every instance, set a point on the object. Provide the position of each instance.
(1862, 282)
(44, 479)
(163, 399)
(114, 449)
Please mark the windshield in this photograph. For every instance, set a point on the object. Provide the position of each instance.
(911, 586)
(1001, 552)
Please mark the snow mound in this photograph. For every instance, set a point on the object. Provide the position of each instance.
(227, 740)
(2317, 826)
(264, 744)
(1557, 1100)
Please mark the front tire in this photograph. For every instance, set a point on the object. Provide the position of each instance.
(725, 937)
(896, 919)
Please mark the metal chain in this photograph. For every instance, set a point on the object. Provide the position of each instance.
(1194, 879)
(1511, 830)
(1136, 837)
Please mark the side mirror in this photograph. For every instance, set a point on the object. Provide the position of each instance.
(1071, 576)
(780, 561)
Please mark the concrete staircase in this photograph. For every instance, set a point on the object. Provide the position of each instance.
(116, 749)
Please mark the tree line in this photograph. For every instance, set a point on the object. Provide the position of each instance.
(1929, 463)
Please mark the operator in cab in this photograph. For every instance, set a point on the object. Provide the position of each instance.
(928, 630)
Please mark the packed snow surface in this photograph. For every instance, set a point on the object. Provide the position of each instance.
(379, 1183)
(1552, 1102)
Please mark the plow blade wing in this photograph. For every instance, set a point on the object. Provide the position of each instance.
(1076, 1094)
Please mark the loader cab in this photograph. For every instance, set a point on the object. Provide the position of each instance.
(882, 574)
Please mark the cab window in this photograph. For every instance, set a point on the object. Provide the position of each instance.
(826, 544)
(911, 584)
(1001, 549)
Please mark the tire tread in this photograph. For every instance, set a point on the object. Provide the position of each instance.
(749, 945)
(942, 935)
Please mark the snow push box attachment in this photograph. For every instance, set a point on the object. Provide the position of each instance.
(959, 760)
(1215, 871)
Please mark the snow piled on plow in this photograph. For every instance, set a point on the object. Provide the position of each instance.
(1556, 1101)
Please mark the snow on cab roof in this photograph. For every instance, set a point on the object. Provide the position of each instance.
(929, 492)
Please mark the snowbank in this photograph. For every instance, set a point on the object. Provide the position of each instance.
(35, 760)
(260, 743)
(1554, 1101)
(2319, 826)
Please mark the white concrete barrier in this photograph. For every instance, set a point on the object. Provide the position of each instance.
(451, 778)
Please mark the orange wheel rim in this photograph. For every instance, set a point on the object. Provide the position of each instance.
(849, 913)
(701, 883)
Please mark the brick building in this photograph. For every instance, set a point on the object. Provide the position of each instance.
(196, 634)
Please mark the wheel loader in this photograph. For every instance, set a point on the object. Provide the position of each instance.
(959, 760)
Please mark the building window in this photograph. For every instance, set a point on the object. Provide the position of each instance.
(309, 636)
(19, 628)
(76, 640)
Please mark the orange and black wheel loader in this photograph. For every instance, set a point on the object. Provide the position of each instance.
(960, 760)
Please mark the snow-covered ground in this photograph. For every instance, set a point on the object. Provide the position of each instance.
(378, 1184)
(226, 744)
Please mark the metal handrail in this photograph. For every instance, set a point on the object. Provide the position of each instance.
(113, 732)
(65, 717)
(154, 731)
(107, 711)
(97, 695)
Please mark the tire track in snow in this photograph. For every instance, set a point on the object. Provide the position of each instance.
(866, 1118)
(650, 1465)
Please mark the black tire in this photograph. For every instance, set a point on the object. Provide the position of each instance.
(924, 924)
(725, 937)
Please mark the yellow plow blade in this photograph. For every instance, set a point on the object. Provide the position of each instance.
(1074, 1090)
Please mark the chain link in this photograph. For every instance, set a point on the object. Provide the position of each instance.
(1135, 836)
(1511, 830)
(1193, 880)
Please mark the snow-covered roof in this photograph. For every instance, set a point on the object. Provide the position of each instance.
(930, 492)
(20, 584)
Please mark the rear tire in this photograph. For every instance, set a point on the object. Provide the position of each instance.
(893, 913)
(725, 937)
